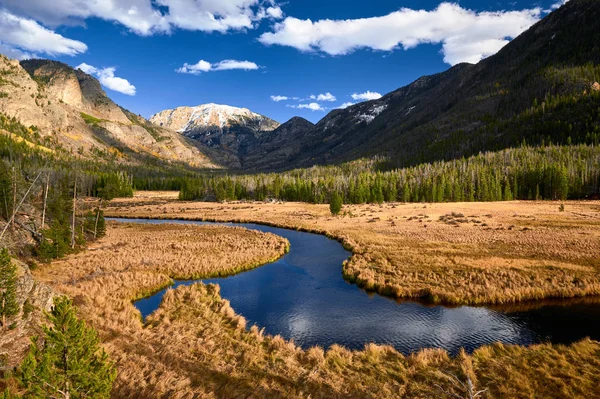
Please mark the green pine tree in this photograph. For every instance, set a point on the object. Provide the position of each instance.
(68, 361)
(335, 206)
(508, 194)
(8, 287)
(6, 188)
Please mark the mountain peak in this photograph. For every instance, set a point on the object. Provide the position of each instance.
(210, 117)
(216, 125)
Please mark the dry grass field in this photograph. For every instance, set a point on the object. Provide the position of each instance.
(195, 346)
(454, 253)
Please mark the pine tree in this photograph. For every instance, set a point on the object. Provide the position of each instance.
(335, 206)
(508, 195)
(6, 187)
(95, 223)
(68, 361)
(8, 287)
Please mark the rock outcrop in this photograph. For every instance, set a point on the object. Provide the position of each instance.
(70, 109)
(34, 299)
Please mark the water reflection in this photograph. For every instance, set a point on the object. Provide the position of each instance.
(304, 297)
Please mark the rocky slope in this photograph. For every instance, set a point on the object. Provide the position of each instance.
(70, 110)
(33, 299)
(219, 126)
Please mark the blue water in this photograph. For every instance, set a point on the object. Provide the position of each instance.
(304, 297)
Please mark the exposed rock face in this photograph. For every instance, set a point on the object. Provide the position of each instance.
(219, 126)
(52, 96)
(33, 299)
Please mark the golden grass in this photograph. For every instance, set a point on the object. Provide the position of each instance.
(492, 253)
(195, 346)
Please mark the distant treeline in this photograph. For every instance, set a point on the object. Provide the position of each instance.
(526, 173)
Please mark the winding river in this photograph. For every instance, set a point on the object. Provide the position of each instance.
(304, 297)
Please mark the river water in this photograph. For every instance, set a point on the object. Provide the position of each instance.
(304, 297)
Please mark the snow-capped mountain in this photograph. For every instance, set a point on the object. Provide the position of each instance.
(216, 125)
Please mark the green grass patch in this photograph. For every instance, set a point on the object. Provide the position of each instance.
(90, 120)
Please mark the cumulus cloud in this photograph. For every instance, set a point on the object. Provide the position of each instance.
(226, 65)
(21, 37)
(279, 98)
(310, 106)
(345, 105)
(465, 35)
(275, 12)
(324, 97)
(558, 4)
(366, 96)
(146, 17)
(107, 78)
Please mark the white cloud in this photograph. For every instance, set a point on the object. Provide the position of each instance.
(275, 12)
(325, 97)
(366, 96)
(226, 65)
(311, 106)
(279, 98)
(558, 4)
(20, 37)
(345, 105)
(14, 53)
(465, 35)
(233, 64)
(107, 78)
(146, 17)
(90, 70)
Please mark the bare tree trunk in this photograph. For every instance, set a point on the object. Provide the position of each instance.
(14, 187)
(16, 209)
(96, 225)
(45, 200)
(3, 315)
(74, 210)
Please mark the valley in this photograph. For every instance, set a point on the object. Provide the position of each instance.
(225, 355)
(437, 241)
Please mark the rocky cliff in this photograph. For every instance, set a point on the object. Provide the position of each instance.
(71, 110)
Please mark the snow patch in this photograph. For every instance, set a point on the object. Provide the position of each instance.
(371, 114)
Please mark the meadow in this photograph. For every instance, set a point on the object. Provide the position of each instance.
(451, 253)
(195, 346)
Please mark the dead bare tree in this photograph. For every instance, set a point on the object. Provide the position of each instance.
(16, 209)
(96, 224)
(47, 186)
(74, 214)
(14, 187)
(467, 387)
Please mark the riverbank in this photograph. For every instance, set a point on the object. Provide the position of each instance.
(451, 253)
(196, 346)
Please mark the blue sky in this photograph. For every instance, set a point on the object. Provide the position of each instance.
(294, 48)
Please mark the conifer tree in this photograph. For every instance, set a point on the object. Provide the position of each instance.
(67, 362)
(335, 206)
(6, 187)
(8, 287)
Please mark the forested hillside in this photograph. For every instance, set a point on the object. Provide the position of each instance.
(541, 88)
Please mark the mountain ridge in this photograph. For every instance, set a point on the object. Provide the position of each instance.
(67, 109)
